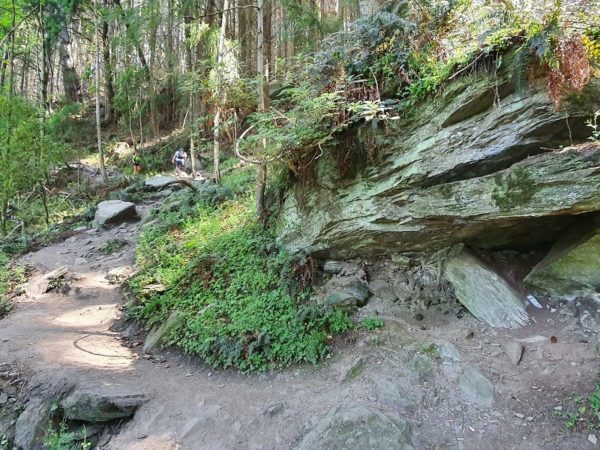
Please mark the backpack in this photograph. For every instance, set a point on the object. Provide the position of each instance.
(180, 154)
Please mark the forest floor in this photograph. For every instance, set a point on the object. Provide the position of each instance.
(73, 335)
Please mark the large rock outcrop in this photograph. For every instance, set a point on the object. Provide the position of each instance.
(473, 166)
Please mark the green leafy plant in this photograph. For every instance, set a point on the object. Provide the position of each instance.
(59, 437)
(585, 413)
(593, 124)
(238, 297)
(113, 246)
(372, 323)
(10, 278)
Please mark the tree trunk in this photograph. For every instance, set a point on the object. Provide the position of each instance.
(219, 107)
(109, 112)
(71, 84)
(263, 96)
(3, 65)
(97, 82)
(267, 37)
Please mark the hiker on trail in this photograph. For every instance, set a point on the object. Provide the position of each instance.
(179, 159)
(137, 162)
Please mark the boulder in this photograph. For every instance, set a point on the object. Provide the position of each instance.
(484, 293)
(476, 387)
(31, 425)
(111, 212)
(160, 332)
(452, 173)
(159, 182)
(572, 266)
(344, 292)
(94, 407)
(359, 427)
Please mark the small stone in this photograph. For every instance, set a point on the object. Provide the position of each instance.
(476, 387)
(448, 352)
(519, 415)
(274, 409)
(592, 439)
(514, 351)
(529, 419)
(351, 370)
(419, 316)
(470, 334)
(558, 408)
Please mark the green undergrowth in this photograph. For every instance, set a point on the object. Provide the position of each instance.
(10, 278)
(240, 300)
(583, 413)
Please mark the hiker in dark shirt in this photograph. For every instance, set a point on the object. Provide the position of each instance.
(179, 159)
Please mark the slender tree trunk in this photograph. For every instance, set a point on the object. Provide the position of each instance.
(263, 96)
(24, 73)
(267, 37)
(97, 83)
(220, 100)
(109, 112)
(44, 62)
(3, 65)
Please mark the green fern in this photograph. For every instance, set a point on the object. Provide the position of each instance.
(540, 45)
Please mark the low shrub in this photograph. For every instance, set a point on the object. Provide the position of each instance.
(238, 300)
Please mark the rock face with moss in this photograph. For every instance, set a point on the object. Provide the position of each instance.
(474, 166)
(571, 266)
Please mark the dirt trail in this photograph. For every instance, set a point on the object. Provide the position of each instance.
(67, 336)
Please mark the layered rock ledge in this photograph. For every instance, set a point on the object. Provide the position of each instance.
(482, 165)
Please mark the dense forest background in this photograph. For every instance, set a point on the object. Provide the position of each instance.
(78, 76)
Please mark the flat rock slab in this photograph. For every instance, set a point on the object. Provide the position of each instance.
(94, 407)
(476, 387)
(114, 211)
(359, 427)
(485, 293)
(572, 266)
(160, 182)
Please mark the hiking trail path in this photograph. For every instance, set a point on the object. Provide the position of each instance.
(71, 337)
